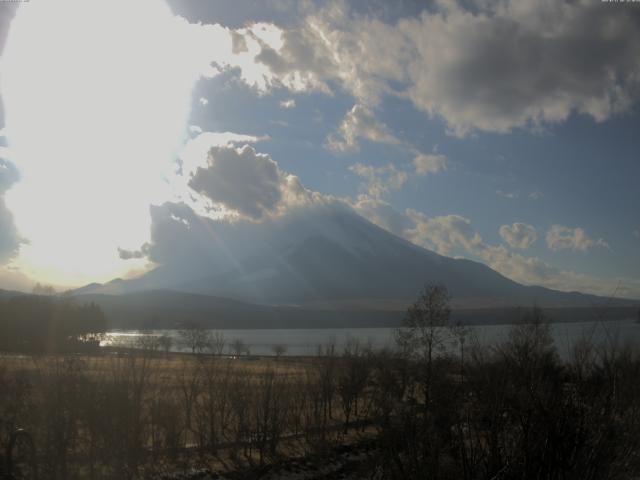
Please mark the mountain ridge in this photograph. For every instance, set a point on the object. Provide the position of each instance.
(331, 256)
(164, 309)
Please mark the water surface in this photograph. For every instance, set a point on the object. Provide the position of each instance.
(306, 341)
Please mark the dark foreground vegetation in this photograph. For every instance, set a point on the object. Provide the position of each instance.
(513, 411)
(46, 323)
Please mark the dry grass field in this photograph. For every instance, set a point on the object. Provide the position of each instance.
(515, 408)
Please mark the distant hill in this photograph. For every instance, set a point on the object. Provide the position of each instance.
(169, 309)
(6, 294)
(165, 309)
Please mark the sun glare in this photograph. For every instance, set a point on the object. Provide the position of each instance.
(96, 98)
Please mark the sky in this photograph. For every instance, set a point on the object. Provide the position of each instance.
(501, 131)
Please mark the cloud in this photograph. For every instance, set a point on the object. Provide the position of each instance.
(489, 66)
(536, 195)
(203, 101)
(514, 64)
(287, 104)
(381, 213)
(560, 237)
(272, 57)
(242, 187)
(10, 240)
(248, 183)
(442, 233)
(13, 279)
(241, 180)
(179, 235)
(359, 123)
(450, 232)
(8, 172)
(504, 194)
(380, 180)
(518, 235)
(198, 246)
(134, 254)
(429, 163)
(194, 153)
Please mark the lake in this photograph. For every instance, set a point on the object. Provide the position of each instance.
(305, 342)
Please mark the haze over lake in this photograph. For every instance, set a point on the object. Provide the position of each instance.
(306, 341)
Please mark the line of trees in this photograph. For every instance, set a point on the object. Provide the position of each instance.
(514, 410)
(39, 323)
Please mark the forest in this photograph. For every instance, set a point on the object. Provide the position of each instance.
(47, 323)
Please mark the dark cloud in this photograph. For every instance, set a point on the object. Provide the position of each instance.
(241, 180)
(248, 183)
(134, 254)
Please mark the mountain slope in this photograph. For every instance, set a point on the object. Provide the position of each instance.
(331, 256)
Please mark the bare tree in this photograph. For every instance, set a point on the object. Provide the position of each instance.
(195, 338)
(166, 342)
(218, 342)
(423, 331)
(279, 350)
(352, 379)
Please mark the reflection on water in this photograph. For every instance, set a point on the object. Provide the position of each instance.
(307, 341)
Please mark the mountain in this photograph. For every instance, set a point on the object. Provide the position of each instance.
(159, 309)
(169, 309)
(7, 294)
(328, 258)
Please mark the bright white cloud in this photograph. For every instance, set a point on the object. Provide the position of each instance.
(381, 213)
(380, 180)
(8, 174)
(447, 233)
(518, 235)
(443, 233)
(536, 195)
(502, 193)
(288, 104)
(429, 163)
(360, 122)
(203, 101)
(195, 150)
(560, 237)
